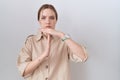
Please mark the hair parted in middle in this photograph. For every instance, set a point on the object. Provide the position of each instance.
(47, 6)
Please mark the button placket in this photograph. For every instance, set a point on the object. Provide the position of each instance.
(47, 69)
(46, 78)
(46, 66)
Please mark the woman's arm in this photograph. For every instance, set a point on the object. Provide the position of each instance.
(35, 63)
(75, 48)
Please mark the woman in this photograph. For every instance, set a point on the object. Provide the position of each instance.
(46, 56)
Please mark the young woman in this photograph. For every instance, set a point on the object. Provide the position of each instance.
(46, 56)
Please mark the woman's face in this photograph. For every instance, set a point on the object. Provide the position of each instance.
(47, 18)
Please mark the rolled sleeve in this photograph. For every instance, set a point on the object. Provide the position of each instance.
(22, 67)
(24, 57)
(74, 57)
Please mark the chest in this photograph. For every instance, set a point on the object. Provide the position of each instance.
(58, 49)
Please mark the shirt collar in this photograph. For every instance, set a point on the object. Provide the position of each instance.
(38, 36)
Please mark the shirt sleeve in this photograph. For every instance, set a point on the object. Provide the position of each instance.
(24, 57)
(74, 57)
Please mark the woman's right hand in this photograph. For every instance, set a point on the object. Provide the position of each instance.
(47, 50)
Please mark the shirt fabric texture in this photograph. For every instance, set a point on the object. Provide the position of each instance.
(54, 67)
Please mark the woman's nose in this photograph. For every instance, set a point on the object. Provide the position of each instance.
(47, 20)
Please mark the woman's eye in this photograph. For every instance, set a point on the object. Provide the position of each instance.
(42, 17)
(52, 17)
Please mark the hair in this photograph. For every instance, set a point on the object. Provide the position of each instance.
(47, 6)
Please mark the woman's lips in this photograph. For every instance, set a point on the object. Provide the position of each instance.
(48, 26)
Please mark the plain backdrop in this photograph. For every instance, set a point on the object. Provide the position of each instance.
(92, 23)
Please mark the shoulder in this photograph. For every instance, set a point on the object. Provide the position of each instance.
(29, 38)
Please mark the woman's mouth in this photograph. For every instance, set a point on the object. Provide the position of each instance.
(48, 26)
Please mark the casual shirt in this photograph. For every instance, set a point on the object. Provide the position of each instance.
(55, 67)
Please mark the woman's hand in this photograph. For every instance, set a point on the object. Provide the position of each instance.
(47, 51)
(52, 32)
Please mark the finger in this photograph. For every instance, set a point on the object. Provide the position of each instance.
(48, 44)
(40, 28)
(48, 38)
(43, 30)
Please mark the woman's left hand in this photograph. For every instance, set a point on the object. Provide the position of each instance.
(52, 32)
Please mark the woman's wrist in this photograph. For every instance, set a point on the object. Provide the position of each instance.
(61, 35)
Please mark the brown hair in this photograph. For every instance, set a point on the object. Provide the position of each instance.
(49, 6)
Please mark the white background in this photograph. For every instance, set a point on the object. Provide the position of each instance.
(93, 23)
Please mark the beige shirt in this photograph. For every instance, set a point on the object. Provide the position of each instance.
(55, 67)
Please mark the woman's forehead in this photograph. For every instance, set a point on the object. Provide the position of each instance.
(48, 12)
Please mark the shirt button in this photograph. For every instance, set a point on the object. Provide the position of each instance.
(46, 78)
(46, 66)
